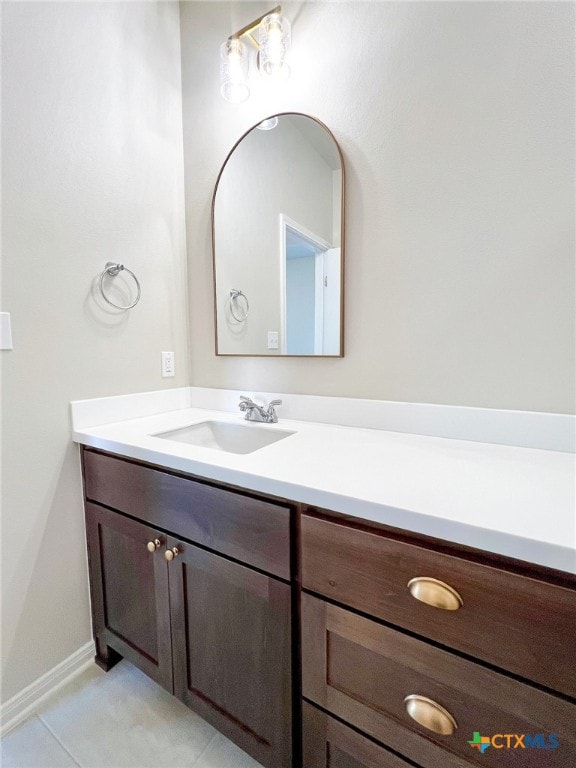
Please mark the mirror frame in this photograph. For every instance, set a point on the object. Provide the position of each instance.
(342, 244)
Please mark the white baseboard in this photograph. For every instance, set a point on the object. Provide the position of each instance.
(25, 703)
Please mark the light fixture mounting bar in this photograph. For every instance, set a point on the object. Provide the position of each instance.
(249, 28)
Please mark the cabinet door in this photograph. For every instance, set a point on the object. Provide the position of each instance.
(330, 744)
(232, 650)
(129, 586)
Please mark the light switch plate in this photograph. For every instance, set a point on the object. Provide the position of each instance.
(5, 331)
(272, 339)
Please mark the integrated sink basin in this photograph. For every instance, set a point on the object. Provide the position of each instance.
(224, 436)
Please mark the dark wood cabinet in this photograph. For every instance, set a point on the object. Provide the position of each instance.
(232, 650)
(368, 660)
(215, 632)
(328, 743)
(504, 616)
(363, 672)
(197, 584)
(129, 589)
(255, 531)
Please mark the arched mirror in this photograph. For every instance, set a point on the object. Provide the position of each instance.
(278, 244)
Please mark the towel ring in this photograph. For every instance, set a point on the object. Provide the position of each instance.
(235, 294)
(111, 270)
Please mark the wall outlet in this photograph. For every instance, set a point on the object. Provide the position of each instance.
(272, 339)
(168, 367)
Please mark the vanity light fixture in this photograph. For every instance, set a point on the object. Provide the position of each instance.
(234, 71)
(272, 46)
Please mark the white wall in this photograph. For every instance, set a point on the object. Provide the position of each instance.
(456, 121)
(92, 171)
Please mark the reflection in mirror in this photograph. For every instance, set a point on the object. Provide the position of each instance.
(278, 245)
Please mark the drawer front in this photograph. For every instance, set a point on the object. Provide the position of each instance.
(514, 622)
(363, 672)
(247, 529)
(328, 743)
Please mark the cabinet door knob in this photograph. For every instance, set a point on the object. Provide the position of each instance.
(170, 554)
(430, 715)
(435, 593)
(152, 546)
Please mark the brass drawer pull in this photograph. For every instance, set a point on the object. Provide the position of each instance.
(435, 593)
(170, 554)
(429, 714)
(152, 546)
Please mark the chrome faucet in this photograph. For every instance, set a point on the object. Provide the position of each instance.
(256, 412)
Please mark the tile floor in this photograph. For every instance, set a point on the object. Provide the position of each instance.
(117, 720)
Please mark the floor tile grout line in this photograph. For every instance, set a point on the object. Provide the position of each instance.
(50, 730)
(42, 714)
(201, 755)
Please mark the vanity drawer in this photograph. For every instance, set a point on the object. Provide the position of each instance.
(514, 622)
(328, 743)
(362, 672)
(253, 531)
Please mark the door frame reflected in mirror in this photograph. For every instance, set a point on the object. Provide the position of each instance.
(317, 282)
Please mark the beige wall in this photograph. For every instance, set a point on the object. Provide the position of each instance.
(92, 171)
(456, 121)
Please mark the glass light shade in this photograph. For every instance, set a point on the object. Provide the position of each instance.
(274, 39)
(234, 71)
(268, 124)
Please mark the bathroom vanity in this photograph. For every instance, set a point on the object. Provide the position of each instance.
(315, 636)
(191, 582)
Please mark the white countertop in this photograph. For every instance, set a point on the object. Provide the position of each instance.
(519, 502)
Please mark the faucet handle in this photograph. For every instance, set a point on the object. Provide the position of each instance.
(271, 417)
